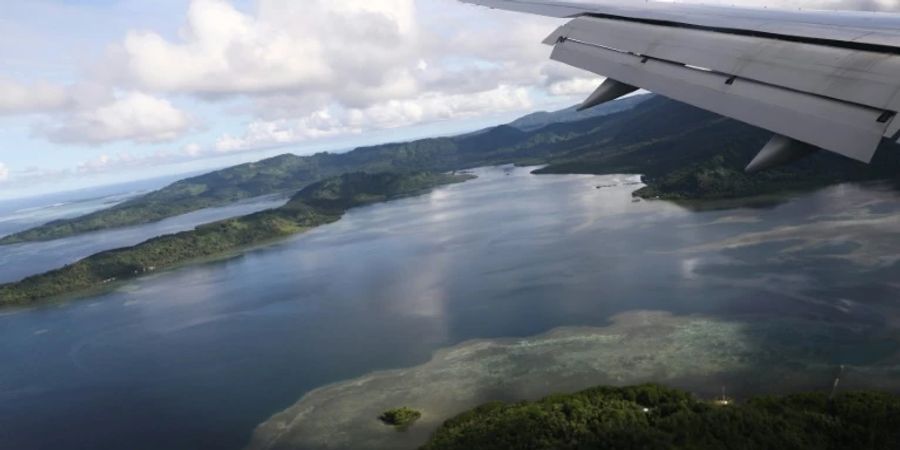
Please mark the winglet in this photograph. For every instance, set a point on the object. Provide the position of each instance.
(780, 150)
(609, 90)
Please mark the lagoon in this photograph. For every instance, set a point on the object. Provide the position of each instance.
(201, 356)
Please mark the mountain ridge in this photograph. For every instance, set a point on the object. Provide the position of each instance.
(317, 204)
(684, 153)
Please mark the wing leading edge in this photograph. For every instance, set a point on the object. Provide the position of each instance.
(823, 79)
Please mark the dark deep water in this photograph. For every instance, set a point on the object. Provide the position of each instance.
(197, 357)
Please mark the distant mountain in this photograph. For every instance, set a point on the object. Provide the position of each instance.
(689, 153)
(541, 119)
(287, 173)
(317, 204)
(684, 153)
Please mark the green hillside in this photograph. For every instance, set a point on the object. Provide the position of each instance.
(651, 417)
(684, 152)
(697, 155)
(317, 204)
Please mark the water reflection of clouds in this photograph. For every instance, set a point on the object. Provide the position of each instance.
(502, 255)
(595, 203)
(423, 295)
(159, 309)
(689, 268)
(743, 218)
(819, 252)
(876, 238)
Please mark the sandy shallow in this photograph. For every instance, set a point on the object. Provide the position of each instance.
(700, 354)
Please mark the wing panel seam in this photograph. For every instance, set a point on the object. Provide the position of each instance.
(730, 77)
(754, 33)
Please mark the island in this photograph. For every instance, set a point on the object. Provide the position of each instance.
(317, 204)
(288, 173)
(688, 154)
(651, 416)
(401, 418)
(683, 153)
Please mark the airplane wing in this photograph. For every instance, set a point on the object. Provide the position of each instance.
(817, 79)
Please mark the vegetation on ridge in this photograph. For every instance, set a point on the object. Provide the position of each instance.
(682, 151)
(315, 205)
(656, 417)
(401, 418)
(685, 153)
(288, 173)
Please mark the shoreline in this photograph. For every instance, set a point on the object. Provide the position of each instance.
(697, 353)
(319, 204)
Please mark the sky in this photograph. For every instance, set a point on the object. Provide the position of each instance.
(97, 92)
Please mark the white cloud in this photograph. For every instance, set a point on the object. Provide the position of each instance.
(391, 114)
(441, 64)
(575, 86)
(355, 53)
(437, 106)
(303, 71)
(192, 150)
(126, 160)
(134, 116)
(21, 98)
(266, 134)
(295, 71)
(285, 46)
(323, 68)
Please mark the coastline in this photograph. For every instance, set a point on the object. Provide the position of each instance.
(696, 353)
(312, 207)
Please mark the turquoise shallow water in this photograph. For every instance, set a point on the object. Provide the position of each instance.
(198, 357)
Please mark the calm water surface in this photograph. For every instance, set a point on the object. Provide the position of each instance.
(196, 358)
(21, 260)
(23, 213)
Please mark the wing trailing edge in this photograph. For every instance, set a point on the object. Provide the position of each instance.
(830, 90)
(549, 9)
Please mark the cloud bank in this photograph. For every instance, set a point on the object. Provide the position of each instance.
(322, 68)
(135, 116)
(285, 72)
(22, 98)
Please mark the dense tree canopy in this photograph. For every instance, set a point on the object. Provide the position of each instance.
(685, 153)
(401, 418)
(655, 417)
(315, 205)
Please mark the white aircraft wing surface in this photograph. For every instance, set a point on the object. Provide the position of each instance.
(817, 79)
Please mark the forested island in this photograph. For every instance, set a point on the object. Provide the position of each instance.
(317, 204)
(400, 418)
(288, 173)
(684, 153)
(696, 155)
(656, 417)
